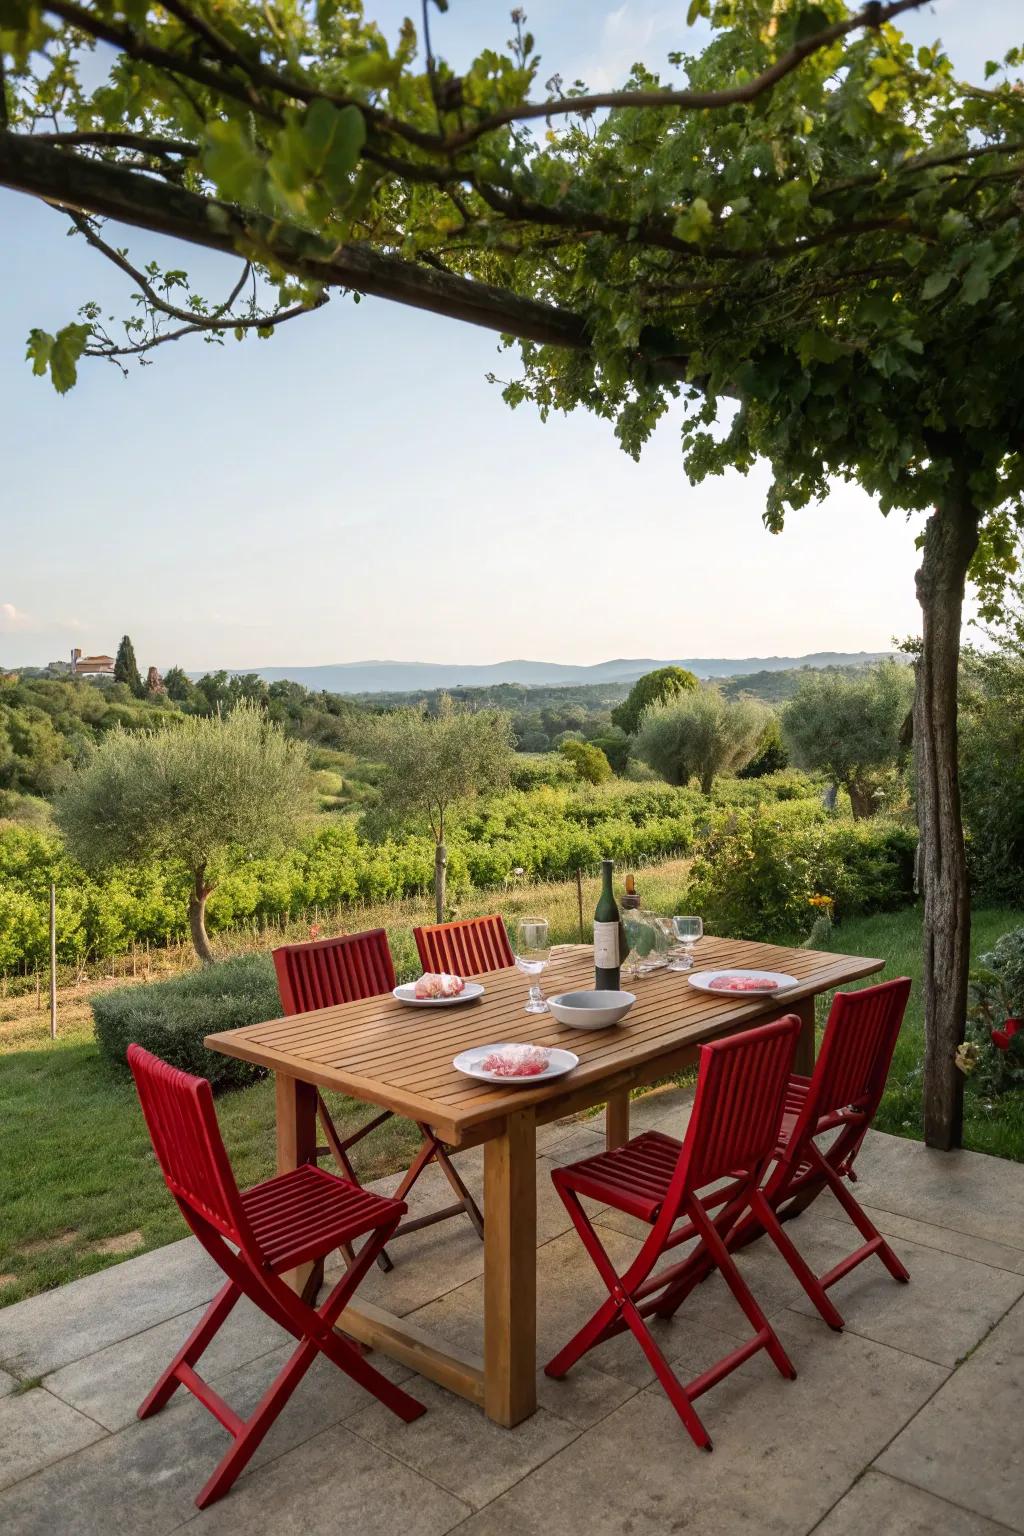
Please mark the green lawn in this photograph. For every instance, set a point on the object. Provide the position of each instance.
(81, 1189)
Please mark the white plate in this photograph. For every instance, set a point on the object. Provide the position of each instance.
(468, 1063)
(783, 983)
(407, 994)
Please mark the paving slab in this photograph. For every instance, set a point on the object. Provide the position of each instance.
(928, 1235)
(785, 1452)
(879, 1503)
(334, 1483)
(110, 1384)
(458, 1447)
(7, 1383)
(50, 1330)
(948, 1306)
(966, 1445)
(969, 1192)
(37, 1429)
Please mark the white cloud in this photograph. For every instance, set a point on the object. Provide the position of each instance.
(13, 619)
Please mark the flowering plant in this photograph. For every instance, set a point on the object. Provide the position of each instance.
(995, 1017)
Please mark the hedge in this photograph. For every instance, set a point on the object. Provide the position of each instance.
(171, 1018)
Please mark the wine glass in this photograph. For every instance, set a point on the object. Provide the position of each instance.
(533, 951)
(687, 930)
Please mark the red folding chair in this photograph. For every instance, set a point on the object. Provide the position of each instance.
(255, 1235)
(471, 947)
(345, 970)
(732, 1131)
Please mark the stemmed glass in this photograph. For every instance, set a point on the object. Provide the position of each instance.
(533, 951)
(687, 930)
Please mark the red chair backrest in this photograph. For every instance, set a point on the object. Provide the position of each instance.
(856, 1051)
(331, 971)
(737, 1108)
(467, 948)
(182, 1123)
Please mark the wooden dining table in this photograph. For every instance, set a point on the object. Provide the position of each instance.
(400, 1058)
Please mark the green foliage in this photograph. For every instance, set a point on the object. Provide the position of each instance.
(996, 995)
(852, 728)
(531, 769)
(992, 769)
(432, 763)
(172, 1018)
(770, 754)
(700, 735)
(126, 668)
(190, 796)
(179, 685)
(758, 871)
(588, 761)
(653, 688)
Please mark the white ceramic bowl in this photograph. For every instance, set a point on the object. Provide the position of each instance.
(591, 1010)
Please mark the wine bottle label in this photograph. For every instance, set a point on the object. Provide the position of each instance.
(606, 946)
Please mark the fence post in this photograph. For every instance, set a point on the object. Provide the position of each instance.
(53, 961)
(579, 901)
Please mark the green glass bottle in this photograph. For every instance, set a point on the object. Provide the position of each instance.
(607, 935)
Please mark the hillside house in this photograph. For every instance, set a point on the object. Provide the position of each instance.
(91, 666)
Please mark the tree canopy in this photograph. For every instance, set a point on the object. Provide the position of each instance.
(192, 793)
(700, 735)
(653, 688)
(852, 728)
(429, 763)
(126, 668)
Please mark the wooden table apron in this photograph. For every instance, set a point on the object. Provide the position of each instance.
(400, 1058)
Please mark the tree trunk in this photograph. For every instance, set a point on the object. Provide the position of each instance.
(862, 801)
(440, 879)
(197, 917)
(951, 537)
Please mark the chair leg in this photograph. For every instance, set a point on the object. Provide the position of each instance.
(865, 1226)
(170, 1380)
(740, 1289)
(674, 1389)
(316, 1327)
(454, 1178)
(796, 1261)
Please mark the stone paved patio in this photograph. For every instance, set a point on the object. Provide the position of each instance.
(907, 1424)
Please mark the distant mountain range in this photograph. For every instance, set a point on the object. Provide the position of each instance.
(411, 676)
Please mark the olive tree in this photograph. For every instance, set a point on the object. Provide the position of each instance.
(700, 735)
(851, 728)
(191, 793)
(809, 247)
(432, 763)
(653, 688)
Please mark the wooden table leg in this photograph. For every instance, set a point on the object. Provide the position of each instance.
(510, 1271)
(803, 1062)
(296, 1144)
(616, 1119)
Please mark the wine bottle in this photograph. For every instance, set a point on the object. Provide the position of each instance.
(607, 935)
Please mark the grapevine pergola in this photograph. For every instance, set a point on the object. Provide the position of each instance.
(811, 249)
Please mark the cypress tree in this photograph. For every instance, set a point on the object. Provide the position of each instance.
(126, 668)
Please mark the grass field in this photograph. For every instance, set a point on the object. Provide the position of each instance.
(82, 1190)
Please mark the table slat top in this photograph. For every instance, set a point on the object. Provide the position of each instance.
(400, 1058)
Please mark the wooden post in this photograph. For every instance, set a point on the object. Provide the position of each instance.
(53, 961)
(803, 1061)
(39, 992)
(296, 1144)
(616, 1120)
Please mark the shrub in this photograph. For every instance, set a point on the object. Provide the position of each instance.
(588, 761)
(759, 872)
(992, 772)
(996, 995)
(770, 755)
(171, 1018)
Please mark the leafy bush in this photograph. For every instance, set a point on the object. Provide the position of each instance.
(588, 761)
(171, 1018)
(759, 872)
(992, 771)
(529, 769)
(997, 995)
(770, 754)
(700, 735)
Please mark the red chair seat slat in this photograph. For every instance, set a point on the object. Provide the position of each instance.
(634, 1178)
(288, 1212)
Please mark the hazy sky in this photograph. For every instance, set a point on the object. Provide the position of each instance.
(353, 488)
